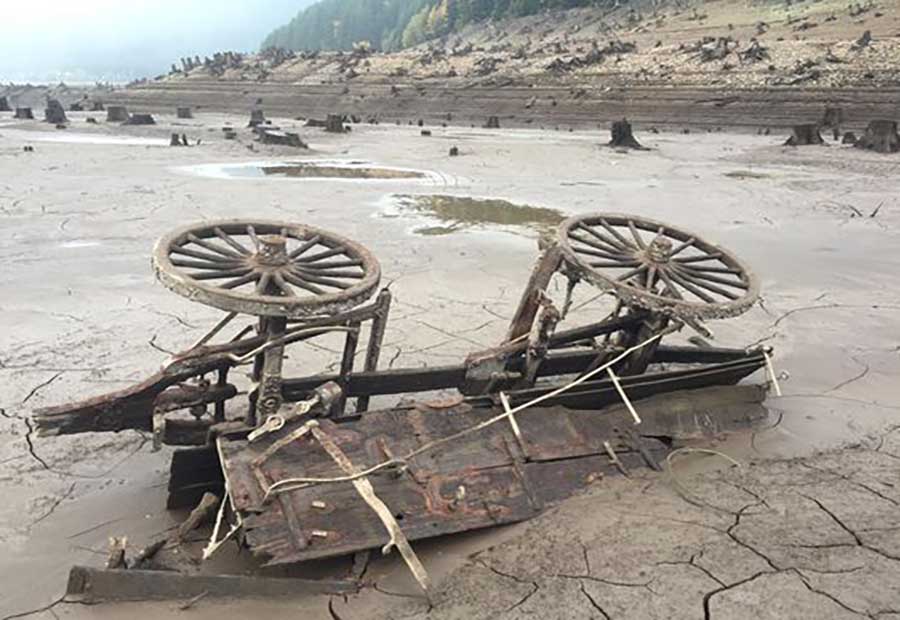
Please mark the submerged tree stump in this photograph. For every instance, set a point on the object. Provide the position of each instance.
(24, 114)
(184, 112)
(622, 136)
(257, 118)
(116, 114)
(334, 123)
(805, 135)
(493, 122)
(54, 112)
(140, 119)
(4, 105)
(881, 136)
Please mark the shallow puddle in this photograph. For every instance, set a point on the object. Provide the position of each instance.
(456, 213)
(321, 169)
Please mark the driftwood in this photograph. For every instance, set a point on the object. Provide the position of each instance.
(805, 135)
(116, 114)
(881, 136)
(623, 137)
(54, 112)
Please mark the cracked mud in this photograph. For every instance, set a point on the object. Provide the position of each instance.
(807, 527)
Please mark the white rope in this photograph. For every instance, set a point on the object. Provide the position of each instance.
(623, 396)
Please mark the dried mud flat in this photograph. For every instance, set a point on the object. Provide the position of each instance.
(807, 527)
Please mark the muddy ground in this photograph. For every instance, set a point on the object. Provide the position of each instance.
(807, 527)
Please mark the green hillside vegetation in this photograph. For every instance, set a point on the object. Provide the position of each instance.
(393, 24)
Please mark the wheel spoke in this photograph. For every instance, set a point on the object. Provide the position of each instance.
(682, 247)
(670, 286)
(708, 286)
(212, 247)
(651, 277)
(692, 288)
(627, 276)
(699, 259)
(263, 284)
(616, 265)
(305, 247)
(240, 281)
(637, 237)
(230, 241)
(710, 278)
(217, 275)
(328, 254)
(326, 273)
(335, 265)
(300, 283)
(283, 285)
(612, 252)
(314, 278)
(215, 258)
(625, 243)
(196, 264)
(251, 232)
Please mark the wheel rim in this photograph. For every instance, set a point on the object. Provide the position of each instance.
(656, 266)
(266, 268)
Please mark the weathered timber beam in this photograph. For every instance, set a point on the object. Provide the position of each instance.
(402, 381)
(97, 585)
(131, 408)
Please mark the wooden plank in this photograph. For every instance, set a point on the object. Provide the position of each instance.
(92, 585)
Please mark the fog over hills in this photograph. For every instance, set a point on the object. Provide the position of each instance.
(110, 40)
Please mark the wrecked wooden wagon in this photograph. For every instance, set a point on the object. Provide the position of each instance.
(308, 471)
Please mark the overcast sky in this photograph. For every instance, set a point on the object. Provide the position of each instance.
(48, 40)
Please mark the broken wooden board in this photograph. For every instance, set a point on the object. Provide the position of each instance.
(478, 480)
(94, 585)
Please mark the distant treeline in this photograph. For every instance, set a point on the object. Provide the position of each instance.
(394, 24)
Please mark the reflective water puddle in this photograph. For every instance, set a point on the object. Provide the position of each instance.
(450, 214)
(320, 169)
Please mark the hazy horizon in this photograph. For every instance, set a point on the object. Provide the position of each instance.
(106, 40)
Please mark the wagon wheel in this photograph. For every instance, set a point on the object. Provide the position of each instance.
(655, 266)
(266, 268)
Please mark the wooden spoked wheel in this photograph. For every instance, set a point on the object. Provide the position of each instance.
(655, 266)
(266, 268)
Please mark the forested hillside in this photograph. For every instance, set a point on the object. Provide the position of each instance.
(393, 24)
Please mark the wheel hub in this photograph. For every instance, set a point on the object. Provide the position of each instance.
(272, 251)
(659, 250)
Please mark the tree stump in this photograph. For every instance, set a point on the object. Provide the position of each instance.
(116, 114)
(493, 122)
(54, 112)
(623, 137)
(881, 136)
(833, 119)
(849, 138)
(175, 140)
(4, 105)
(24, 114)
(140, 119)
(97, 106)
(76, 107)
(257, 118)
(334, 123)
(454, 151)
(184, 112)
(283, 138)
(805, 135)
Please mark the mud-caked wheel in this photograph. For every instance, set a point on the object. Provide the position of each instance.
(652, 265)
(266, 268)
